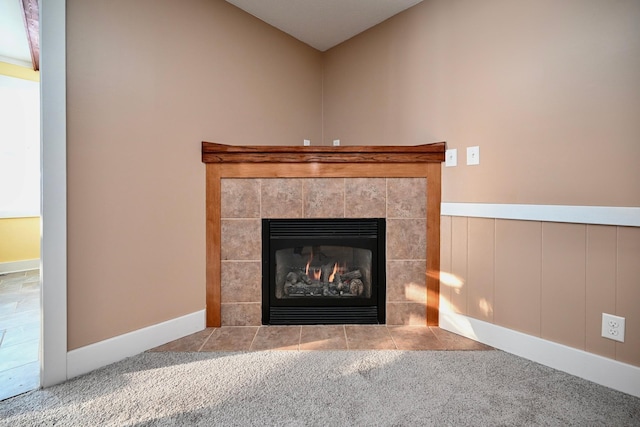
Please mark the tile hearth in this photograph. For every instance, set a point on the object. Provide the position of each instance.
(321, 337)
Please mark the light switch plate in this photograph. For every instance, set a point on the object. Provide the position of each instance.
(473, 155)
(451, 157)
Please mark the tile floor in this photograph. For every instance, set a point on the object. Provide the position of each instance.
(19, 332)
(322, 337)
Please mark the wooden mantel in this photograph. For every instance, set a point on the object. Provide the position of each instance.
(219, 153)
(228, 161)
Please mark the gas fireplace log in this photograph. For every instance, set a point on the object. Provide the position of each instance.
(326, 270)
(356, 287)
(292, 277)
(355, 274)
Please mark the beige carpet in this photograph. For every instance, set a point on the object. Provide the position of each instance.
(324, 388)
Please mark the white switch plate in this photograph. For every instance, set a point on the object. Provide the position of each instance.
(451, 157)
(473, 155)
(307, 142)
(613, 327)
(336, 142)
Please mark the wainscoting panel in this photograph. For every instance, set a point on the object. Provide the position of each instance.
(545, 279)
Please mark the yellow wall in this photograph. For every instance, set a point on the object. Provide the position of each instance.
(19, 72)
(19, 239)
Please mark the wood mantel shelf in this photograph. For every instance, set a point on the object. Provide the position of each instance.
(220, 153)
(229, 161)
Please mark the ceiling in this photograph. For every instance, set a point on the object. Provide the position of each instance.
(19, 33)
(14, 47)
(323, 24)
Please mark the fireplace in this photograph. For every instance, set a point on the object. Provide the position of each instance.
(323, 271)
(245, 184)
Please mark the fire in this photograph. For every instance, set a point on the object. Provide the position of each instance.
(333, 274)
(315, 272)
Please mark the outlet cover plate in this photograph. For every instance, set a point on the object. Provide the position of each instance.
(451, 157)
(613, 327)
(473, 155)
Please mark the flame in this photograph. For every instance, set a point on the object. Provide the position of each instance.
(333, 274)
(315, 272)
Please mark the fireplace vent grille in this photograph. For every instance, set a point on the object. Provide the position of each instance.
(325, 228)
(323, 315)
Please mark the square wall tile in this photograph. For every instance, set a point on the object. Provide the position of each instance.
(323, 198)
(406, 281)
(241, 281)
(365, 198)
(406, 239)
(281, 198)
(406, 313)
(407, 197)
(240, 198)
(241, 239)
(241, 314)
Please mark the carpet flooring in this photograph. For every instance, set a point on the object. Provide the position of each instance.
(324, 388)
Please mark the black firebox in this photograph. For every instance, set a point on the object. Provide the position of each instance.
(323, 271)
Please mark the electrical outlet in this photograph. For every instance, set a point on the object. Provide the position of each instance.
(336, 142)
(473, 155)
(306, 142)
(613, 327)
(451, 158)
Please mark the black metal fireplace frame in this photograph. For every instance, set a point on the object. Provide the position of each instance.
(365, 233)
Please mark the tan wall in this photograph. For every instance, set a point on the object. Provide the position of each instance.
(549, 280)
(548, 90)
(147, 82)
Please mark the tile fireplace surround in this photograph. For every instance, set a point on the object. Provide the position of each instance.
(248, 183)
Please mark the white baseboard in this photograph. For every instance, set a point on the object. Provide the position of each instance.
(17, 266)
(603, 215)
(600, 370)
(94, 356)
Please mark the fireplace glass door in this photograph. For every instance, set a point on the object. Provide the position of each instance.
(328, 271)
